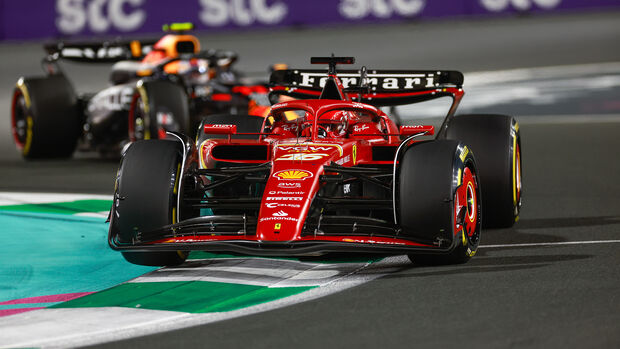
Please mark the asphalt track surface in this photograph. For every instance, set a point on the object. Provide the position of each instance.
(551, 281)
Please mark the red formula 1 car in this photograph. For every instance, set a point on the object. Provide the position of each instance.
(327, 171)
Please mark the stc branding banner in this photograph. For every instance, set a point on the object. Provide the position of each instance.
(31, 19)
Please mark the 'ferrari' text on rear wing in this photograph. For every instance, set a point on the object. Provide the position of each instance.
(376, 87)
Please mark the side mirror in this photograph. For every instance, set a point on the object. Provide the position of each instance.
(221, 129)
(409, 130)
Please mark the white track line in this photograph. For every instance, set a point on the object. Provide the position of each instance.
(552, 244)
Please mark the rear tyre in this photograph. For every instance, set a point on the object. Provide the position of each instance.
(45, 119)
(439, 200)
(147, 185)
(496, 141)
(156, 108)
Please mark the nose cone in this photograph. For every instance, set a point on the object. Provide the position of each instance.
(292, 185)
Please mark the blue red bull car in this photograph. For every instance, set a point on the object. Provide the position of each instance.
(326, 171)
(155, 86)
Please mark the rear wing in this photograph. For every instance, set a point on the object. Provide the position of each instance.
(98, 52)
(375, 87)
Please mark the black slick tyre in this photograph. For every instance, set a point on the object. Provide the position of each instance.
(45, 120)
(146, 197)
(438, 200)
(496, 141)
(156, 108)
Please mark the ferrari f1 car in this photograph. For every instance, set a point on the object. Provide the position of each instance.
(327, 171)
(157, 87)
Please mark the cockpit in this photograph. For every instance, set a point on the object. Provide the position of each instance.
(337, 122)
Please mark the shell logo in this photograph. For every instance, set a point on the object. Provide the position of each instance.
(293, 174)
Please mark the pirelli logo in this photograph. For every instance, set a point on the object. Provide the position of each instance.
(464, 153)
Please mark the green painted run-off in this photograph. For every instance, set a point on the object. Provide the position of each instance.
(191, 296)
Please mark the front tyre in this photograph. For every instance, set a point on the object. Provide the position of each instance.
(146, 194)
(439, 200)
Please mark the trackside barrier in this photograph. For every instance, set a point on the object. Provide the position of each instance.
(36, 19)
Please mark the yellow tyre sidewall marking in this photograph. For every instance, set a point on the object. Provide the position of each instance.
(145, 103)
(29, 121)
(175, 190)
(28, 143)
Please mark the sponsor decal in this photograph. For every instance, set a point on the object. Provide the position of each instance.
(359, 9)
(358, 128)
(114, 98)
(290, 127)
(354, 153)
(522, 5)
(279, 105)
(218, 13)
(202, 91)
(302, 156)
(165, 118)
(100, 16)
(343, 160)
(305, 149)
(266, 219)
(289, 185)
(280, 214)
(413, 127)
(309, 147)
(276, 204)
(388, 81)
(290, 192)
(277, 226)
(87, 52)
(293, 174)
(284, 198)
(346, 188)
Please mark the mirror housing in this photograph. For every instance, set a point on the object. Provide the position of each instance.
(410, 130)
(220, 129)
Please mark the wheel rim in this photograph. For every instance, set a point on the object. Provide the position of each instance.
(19, 119)
(467, 207)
